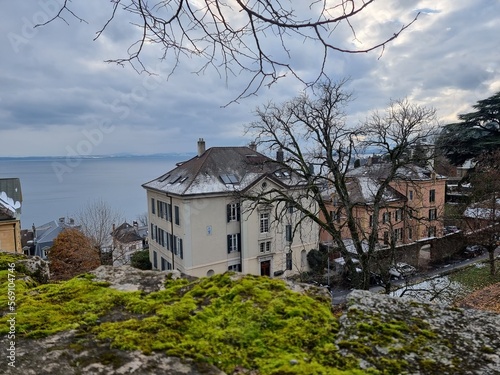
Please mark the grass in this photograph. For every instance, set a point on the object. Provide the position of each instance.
(476, 277)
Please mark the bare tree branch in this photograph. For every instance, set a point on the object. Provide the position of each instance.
(233, 36)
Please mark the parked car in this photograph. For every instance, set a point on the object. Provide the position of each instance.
(473, 251)
(402, 270)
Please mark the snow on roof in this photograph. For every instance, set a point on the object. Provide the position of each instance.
(10, 196)
(407, 172)
(483, 211)
(221, 170)
(9, 203)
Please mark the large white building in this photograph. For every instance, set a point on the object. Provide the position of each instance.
(200, 225)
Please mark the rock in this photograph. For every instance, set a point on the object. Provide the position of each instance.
(65, 354)
(37, 268)
(127, 278)
(431, 338)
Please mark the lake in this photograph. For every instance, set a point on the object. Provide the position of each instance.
(57, 187)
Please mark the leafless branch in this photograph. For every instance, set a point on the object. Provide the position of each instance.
(251, 36)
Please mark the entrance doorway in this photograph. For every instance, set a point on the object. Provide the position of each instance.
(265, 268)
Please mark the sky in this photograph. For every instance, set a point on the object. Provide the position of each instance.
(58, 96)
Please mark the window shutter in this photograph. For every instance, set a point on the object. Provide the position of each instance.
(239, 241)
(228, 243)
(238, 213)
(228, 212)
(289, 233)
(181, 252)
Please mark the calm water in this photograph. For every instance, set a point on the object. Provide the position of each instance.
(54, 188)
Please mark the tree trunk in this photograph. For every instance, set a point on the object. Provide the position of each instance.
(491, 253)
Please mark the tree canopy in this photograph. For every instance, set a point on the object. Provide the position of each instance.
(72, 254)
(476, 133)
(257, 36)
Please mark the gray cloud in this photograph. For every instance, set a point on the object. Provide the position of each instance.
(55, 85)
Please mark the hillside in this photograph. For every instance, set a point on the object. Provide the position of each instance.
(125, 321)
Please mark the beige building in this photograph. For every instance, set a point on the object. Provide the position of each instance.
(412, 207)
(10, 215)
(199, 224)
(126, 241)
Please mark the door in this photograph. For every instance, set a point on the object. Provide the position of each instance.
(265, 268)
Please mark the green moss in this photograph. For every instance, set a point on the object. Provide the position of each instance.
(251, 322)
(488, 350)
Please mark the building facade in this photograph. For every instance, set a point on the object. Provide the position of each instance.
(126, 240)
(411, 209)
(201, 225)
(10, 215)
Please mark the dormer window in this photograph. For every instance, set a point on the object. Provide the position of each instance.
(229, 179)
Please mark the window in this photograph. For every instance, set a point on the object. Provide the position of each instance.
(289, 261)
(177, 247)
(265, 247)
(181, 250)
(233, 212)
(370, 220)
(411, 194)
(159, 204)
(432, 214)
(386, 237)
(234, 268)
(169, 241)
(233, 242)
(386, 217)
(410, 233)
(398, 234)
(303, 258)
(165, 264)
(432, 195)
(398, 214)
(288, 233)
(290, 207)
(153, 208)
(155, 260)
(161, 239)
(431, 231)
(177, 215)
(264, 222)
(168, 212)
(152, 232)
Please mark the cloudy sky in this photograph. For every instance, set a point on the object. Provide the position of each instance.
(59, 97)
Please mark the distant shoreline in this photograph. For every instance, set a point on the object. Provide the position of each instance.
(175, 155)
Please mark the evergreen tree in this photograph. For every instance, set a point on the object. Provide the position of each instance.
(476, 133)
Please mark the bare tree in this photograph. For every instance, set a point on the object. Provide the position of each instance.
(232, 36)
(142, 219)
(96, 219)
(319, 147)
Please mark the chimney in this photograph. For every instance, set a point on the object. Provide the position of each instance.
(253, 146)
(280, 155)
(201, 146)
